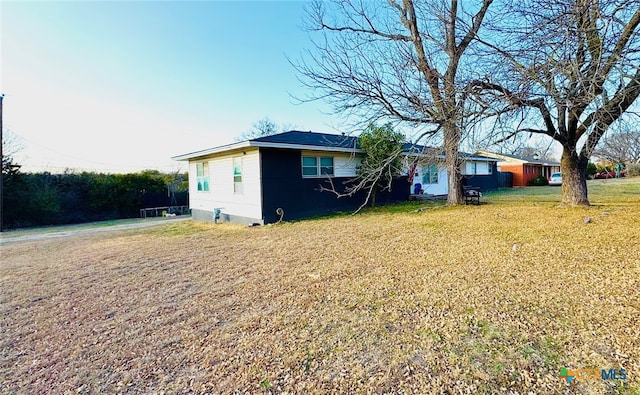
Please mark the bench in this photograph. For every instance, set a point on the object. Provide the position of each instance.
(471, 195)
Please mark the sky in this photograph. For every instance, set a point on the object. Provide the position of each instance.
(124, 86)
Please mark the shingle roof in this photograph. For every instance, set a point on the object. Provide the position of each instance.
(323, 140)
(507, 157)
(314, 140)
(466, 155)
(297, 137)
(526, 159)
(293, 139)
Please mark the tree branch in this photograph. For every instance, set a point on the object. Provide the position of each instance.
(475, 27)
(516, 100)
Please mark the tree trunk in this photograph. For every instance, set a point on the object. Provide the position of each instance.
(451, 144)
(373, 196)
(454, 196)
(574, 179)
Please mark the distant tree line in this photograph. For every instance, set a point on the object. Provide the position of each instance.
(37, 199)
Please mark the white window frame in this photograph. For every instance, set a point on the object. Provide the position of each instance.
(431, 174)
(238, 187)
(318, 166)
(202, 177)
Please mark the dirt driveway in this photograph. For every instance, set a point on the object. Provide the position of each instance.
(76, 230)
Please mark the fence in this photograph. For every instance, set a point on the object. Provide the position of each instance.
(163, 211)
(505, 179)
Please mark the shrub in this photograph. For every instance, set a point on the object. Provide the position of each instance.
(633, 169)
(539, 181)
(592, 169)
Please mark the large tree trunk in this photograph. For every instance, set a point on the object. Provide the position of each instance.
(451, 144)
(454, 196)
(574, 179)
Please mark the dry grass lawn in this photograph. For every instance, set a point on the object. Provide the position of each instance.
(489, 299)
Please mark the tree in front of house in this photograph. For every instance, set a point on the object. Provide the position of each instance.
(381, 163)
(406, 61)
(568, 69)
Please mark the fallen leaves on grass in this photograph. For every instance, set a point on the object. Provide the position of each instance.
(435, 301)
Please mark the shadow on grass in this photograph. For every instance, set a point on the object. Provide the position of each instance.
(392, 208)
(602, 193)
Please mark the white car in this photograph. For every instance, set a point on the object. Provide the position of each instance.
(555, 179)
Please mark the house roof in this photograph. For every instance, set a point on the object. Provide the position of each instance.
(314, 141)
(518, 159)
(465, 155)
(293, 139)
(326, 140)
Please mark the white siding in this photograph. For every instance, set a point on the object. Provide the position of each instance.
(345, 166)
(221, 188)
(439, 188)
(482, 168)
(442, 187)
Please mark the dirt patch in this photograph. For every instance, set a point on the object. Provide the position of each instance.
(78, 230)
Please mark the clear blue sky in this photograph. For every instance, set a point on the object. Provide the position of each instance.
(123, 86)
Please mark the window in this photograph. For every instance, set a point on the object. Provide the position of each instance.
(237, 175)
(326, 166)
(430, 174)
(202, 176)
(309, 166)
(489, 168)
(314, 166)
(474, 168)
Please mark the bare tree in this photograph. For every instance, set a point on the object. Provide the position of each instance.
(621, 145)
(539, 150)
(522, 144)
(264, 127)
(400, 60)
(567, 69)
(528, 148)
(12, 144)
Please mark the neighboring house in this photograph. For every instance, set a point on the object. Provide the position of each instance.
(523, 169)
(481, 171)
(262, 180)
(477, 170)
